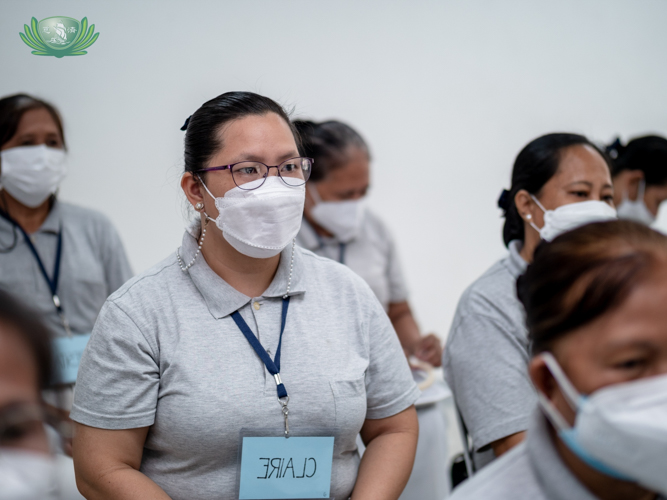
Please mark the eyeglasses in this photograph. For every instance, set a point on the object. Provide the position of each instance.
(293, 172)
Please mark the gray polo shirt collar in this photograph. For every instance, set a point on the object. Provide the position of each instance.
(51, 224)
(556, 479)
(221, 298)
(515, 263)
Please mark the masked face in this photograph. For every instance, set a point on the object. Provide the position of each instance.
(30, 174)
(620, 430)
(341, 218)
(260, 222)
(568, 217)
(636, 210)
(27, 475)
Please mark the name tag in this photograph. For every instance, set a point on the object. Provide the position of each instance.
(68, 352)
(275, 468)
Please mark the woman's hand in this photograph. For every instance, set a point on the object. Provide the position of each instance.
(107, 463)
(429, 349)
(390, 453)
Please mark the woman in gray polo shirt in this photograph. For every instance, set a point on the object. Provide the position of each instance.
(62, 260)
(595, 309)
(486, 354)
(338, 225)
(240, 337)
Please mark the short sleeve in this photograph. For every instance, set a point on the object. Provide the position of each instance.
(486, 367)
(118, 379)
(117, 268)
(390, 388)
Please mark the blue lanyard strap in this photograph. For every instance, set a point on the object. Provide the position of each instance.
(272, 365)
(52, 282)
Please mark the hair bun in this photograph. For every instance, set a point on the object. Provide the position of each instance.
(615, 149)
(504, 200)
(187, 121)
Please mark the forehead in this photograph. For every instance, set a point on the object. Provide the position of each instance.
(355, 170)
(18, 369)
(37, 120)
(641, 317)
(255, 134)
(582, 162)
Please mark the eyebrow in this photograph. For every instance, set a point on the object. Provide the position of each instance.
(252, 157)
(588, 183)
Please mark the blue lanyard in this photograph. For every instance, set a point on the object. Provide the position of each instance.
(52, 282)
(272, 365)
(341, 248)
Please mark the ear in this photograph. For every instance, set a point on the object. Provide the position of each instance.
(542, 378)
(192, 189)
(525, 205)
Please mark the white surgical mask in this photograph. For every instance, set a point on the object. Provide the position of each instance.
(341, 218)
(26, 475)
(260, 223)
(571, 216)
(636, 210)
(30, 174)
(620, 430)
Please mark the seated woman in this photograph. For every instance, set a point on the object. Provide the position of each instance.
(595, 310)
(559, 181)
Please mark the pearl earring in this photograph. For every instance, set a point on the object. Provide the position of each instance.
(529, 216)
(199, 206)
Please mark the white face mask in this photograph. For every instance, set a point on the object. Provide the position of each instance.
(260, 223)
(27, 475)
(620, 430)
(571, 216)
(636, 210)
(341, 218)
(30, 174)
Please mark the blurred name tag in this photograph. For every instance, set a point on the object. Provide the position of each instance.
(275, 468)
(68, 351)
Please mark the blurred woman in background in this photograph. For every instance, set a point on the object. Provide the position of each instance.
(559, 181)
(595, 310)
(640, 177)
(61, 259)
(29, 470)
(337, 224)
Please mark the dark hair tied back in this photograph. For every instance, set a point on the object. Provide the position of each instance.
(202, 129)
(185, 125)
(647, 153)
(328, 143)
(504, 200)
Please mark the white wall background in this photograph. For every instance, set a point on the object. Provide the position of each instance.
(445, 92)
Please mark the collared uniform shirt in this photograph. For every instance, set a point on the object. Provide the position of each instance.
(166, 353)
(93, 265)
(486, 357)
(533, 470)
(371, 254)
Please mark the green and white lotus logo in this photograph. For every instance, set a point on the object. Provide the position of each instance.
(59, 36)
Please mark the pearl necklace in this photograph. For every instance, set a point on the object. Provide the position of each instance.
(201, 242)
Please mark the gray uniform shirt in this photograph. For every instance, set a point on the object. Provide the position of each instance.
(372, 255)
(532, 470)
(93, 265)
(486, 357)
(166, 353)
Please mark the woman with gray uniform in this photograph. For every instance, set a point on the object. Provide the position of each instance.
(559, 181)
(338, 225)
(595, 310)
(242, 366)
(61, 259)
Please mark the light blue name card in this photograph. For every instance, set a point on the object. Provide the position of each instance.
(68, 352)
(277, 467)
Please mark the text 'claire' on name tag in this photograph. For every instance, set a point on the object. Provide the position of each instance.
(275, 468)
(68, 352)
